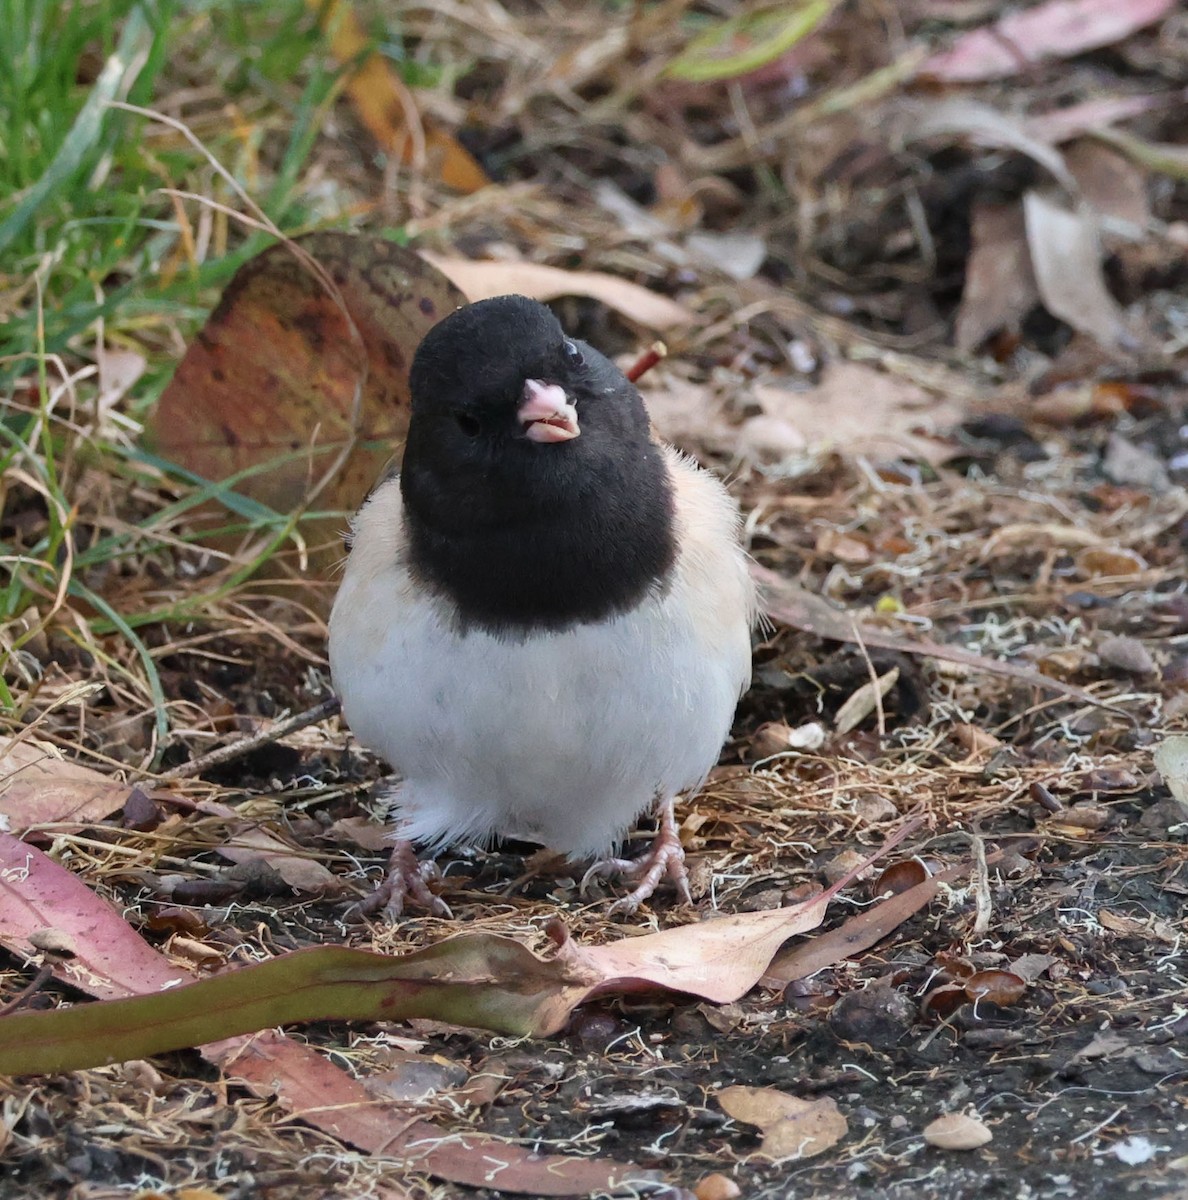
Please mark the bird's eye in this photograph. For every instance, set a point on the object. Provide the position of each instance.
(468, 424)
(573, 355)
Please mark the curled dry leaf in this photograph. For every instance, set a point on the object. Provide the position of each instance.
(792, 1127)
(1003, 988)
(286, 374)
(900, 876)
(482, 280)
(956, 1131)
(1067, 258)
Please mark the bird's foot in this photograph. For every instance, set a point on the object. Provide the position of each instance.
(665, 857)
(406, 881)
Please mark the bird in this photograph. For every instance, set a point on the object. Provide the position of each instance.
(544, 621)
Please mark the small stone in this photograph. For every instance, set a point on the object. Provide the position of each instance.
(956, 1131)
(717, 1187)
(878, 1016)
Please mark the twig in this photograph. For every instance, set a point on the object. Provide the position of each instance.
(233, 750)
(647, 360)
(981, 885)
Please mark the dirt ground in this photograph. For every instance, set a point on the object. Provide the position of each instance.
(984, 480)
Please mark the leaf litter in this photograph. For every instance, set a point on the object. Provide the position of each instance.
(982, 557)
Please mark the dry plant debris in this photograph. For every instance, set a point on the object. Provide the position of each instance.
(920, 274)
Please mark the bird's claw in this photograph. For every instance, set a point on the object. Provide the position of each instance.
(665, 857)
(406, 880)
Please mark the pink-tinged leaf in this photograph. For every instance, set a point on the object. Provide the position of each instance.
(1058, 29)
(40, 787)
(306, 1084)
(1091, 116)
(482, 280)
(110, 960)
(719, 959)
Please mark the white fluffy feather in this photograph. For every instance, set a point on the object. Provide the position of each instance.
(560, 737)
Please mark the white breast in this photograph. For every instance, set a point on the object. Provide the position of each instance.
(563, 738)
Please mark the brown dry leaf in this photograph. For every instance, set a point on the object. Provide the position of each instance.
(482, 280)
(280, 336)
(39, 787)
(857, 934)
(384, 105)
(1000, 288)
(1067, 259)
(250, 843)
(804, 610)
(864, 409)
(1056, 29)
(1110, 183)
(792, 1128)
(862, 702)
(956, 1131)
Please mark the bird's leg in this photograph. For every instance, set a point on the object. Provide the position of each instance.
(406, 880)
(664, 857)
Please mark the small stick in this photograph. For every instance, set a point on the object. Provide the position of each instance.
(233, 750)
(647, 360)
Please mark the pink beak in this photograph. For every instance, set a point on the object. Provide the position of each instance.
(546, 413)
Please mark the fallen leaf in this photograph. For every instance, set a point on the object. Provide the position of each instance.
(985, 125)
(1127, 654)
(383, 103)
(250, 843)
(294, 1076)
(863, 701)
(1092, 116)
(1000, 288)
(863, 410)
(40, 787)
(1056, 29)
(737, 254)
(747, 41)
(956, 1131)
(857, 934)
(792, 1128)
(1129, 465)
(1003, 988)
(1171, 761)
(795, 606)
(324, 361)
(1067, 259)
(482, 280)
(1110, 183)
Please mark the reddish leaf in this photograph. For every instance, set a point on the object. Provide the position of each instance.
(40, 787)
(112, 960)
(1057, 29)
(280, 375)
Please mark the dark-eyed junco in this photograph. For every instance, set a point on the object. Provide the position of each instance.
(544, 624)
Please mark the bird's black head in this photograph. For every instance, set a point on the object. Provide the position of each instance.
(535, 496)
